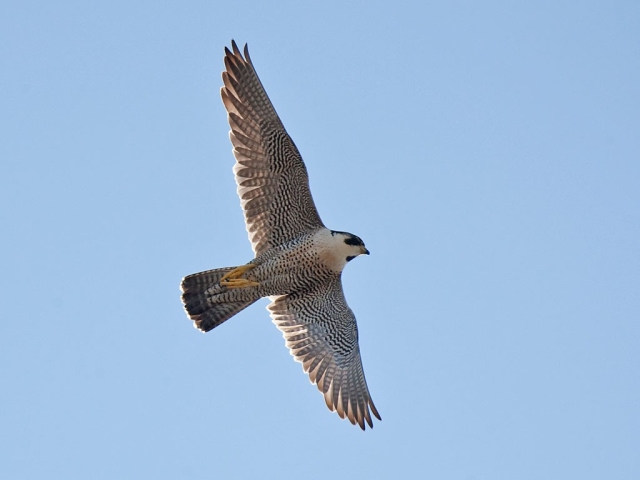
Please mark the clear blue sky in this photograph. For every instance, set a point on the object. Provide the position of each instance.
(487, 153)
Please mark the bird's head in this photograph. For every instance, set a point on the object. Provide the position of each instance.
(348, 245)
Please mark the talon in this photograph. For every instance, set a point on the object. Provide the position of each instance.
(233, 278)
(238, 283)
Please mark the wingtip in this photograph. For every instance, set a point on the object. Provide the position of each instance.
(234, 46)
(236, 52)
(374, 410)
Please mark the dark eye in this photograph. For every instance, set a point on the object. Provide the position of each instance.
(350, 257)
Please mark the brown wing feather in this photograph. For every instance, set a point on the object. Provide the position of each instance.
(272, 179)
(321, 332)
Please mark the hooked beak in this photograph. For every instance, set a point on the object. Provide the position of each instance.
(364, 251)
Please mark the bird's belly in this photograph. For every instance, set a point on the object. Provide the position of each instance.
(287, 272)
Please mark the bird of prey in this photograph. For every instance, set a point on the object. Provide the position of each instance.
(298, 261)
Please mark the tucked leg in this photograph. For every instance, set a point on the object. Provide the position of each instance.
(233, 279)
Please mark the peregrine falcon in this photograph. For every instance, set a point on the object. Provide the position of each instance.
(298, 261)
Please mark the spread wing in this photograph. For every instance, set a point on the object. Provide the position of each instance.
(321, 333)
(272, 179)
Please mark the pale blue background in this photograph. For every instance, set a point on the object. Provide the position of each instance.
(487, 153)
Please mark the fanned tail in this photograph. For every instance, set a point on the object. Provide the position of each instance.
(200, 293)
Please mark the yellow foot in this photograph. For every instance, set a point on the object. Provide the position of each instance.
(233, 278)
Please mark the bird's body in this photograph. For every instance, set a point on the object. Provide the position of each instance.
(295, 267)
(298, 262)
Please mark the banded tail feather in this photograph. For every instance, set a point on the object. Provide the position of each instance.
(199, 292)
